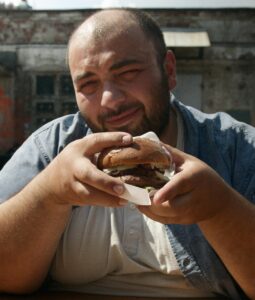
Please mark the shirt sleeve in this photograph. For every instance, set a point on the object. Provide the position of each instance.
(244, 162)
(38, 151)
(23, 166)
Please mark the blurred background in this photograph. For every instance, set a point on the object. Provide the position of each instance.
(214, 43)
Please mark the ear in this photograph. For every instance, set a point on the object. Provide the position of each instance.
(170, 68)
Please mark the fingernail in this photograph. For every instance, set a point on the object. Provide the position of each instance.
(123, 202)
(126, 139)
(119, 189)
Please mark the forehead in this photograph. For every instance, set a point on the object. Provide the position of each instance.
(109, 40)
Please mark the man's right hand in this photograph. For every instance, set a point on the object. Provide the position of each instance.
(72, 177)
(33, 221)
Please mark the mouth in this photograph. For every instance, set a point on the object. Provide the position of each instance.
(124, 118)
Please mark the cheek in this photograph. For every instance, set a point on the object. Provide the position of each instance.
(87, 107)
(146, 94)
(140, 91)
(148, 85)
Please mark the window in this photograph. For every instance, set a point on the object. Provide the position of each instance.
(53, 96)
(45, 85)
(47, 107)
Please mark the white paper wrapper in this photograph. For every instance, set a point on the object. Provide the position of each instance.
(138, 195)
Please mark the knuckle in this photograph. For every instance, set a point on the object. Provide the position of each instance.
(81, 170)
(80, 191)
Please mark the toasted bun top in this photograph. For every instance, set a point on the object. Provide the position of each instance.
(141, 151)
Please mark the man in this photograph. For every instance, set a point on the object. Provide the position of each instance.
(65, 222)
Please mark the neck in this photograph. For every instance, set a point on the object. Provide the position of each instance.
(169, 135)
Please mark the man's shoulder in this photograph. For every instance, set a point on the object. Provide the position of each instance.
(53, 136)
(38, 151)
(199, 117)
(222, 142)
(63, 129)
(215, 122)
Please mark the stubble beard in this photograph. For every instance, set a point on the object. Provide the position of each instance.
(155, 116)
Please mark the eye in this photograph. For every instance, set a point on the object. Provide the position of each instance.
(88, 87)
(129, 74)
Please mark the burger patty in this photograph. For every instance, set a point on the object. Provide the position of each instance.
(141, 176)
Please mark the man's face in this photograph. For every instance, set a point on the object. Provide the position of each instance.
(118, 83)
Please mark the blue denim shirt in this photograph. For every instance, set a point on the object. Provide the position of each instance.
(223, 143)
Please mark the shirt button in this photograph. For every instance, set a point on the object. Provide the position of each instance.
(186, 262)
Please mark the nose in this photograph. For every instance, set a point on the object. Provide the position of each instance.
(112, 95)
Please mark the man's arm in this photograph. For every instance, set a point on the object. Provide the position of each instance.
(32, 221)
(231, 233)
(30, 229)
(197, 194)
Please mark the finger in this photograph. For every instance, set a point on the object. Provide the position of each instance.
(179, 184)
(175, 219)
(87, 173)
(146, 211)
(88, 195)
(94, 143)
(178, 206)
(162, 210)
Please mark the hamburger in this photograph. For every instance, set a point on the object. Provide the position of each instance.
(144, 163)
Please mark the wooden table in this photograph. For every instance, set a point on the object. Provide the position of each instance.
(80, 296)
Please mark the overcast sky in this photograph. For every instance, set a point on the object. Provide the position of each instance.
(79, 4)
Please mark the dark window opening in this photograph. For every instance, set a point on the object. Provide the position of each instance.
(45, 85)
(45, 107)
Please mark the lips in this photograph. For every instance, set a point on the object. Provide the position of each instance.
(123, 118)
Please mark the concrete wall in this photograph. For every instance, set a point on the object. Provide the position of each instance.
(220, 77)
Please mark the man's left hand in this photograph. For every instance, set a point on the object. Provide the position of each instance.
(195, 193)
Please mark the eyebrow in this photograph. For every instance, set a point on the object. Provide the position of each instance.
(83, 75)
(123, 63)
(115, 66)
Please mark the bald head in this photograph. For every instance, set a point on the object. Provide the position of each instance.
(100, 24)
(108, 23)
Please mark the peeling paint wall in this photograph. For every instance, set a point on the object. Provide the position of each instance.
(37, 27)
